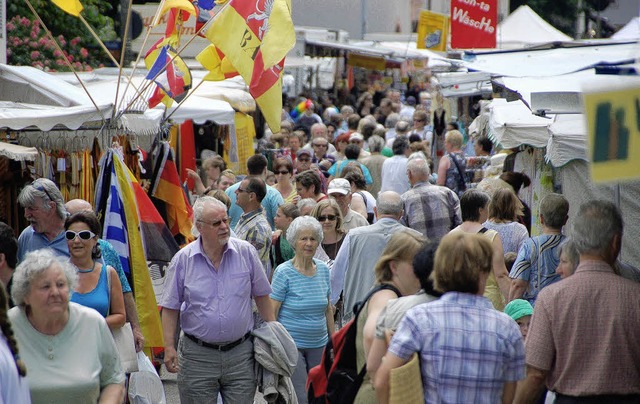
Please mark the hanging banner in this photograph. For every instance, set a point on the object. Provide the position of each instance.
(433, 31)
(473, 23)
(613, 122)
(367, 62)
(239, 146)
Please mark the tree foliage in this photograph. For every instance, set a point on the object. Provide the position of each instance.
(26, 36)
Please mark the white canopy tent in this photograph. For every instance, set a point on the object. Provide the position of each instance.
(524, 28)
(630, 32)
(554, 61)
(567, 152)
(512, 125)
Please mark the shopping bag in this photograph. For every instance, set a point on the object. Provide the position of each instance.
(145, 386)
(123, 337)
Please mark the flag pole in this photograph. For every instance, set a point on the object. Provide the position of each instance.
(205, 25)
(122, 55)
(97, 38)
(156, 17)
(193, 90)
(66, 59)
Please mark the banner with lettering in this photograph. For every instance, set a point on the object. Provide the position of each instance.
(473, 23)
(433, 31)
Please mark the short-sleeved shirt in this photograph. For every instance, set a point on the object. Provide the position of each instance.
(270, 203)
(304, 303)
(467, 349)
(29, 241)
(254, 228)
(585, 331)
(337, 167)
(395, 309)
(512, 234)
(432, 210)
(536, 264)
(215, 303)
(72, 366)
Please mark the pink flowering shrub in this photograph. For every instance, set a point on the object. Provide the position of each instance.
(28, 44)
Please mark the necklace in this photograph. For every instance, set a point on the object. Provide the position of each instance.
(85, 271)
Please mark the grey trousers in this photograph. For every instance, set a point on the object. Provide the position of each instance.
(205, 372)
(307, 358)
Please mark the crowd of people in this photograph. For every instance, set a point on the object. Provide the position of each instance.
(380, 198)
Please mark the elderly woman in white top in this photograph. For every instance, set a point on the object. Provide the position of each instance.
(68, 348)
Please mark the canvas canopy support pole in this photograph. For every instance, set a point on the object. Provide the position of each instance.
(66, 59)
(122, 55)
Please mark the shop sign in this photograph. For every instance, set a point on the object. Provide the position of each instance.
(473, 23)
(613, 125)
(367, 62)
(433, 31)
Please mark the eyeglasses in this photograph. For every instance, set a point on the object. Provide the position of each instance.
(304, 160)
(282, 172)
(327, 217)
(243, 190)
(41, 188)
(319, 145)
(418, 120)
(216, 223)
(83, 234)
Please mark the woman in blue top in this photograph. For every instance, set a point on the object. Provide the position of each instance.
(82, 230)
(301, 299)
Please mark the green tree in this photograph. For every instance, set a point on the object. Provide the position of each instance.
(27, 43)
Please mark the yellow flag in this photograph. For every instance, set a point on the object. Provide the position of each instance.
(184, 5)
(144, 295)
(72, 7)
(280, 38)
(214, 61)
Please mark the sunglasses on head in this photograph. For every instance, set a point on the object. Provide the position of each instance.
(83, 234)
(327, 217)
(41, 188)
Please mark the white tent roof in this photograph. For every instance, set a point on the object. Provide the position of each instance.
(18, 116)
(551, 62)
(512, 125)
(631, 31)
(524, 27)
(567, 140)
(17, 152)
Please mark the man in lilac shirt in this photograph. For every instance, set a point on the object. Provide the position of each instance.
(210, 284)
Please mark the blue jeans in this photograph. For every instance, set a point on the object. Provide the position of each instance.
(307, 358)
(205, 372)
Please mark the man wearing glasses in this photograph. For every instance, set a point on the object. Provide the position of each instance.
(361, 249)
(319, 131)
(210, 285)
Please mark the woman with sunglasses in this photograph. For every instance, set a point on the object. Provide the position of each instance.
(283, 169)
(330, 217)
(92, 290)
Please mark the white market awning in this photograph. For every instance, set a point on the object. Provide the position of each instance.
(17, 152)
(19, 116)
(513, 125)
(567, 140)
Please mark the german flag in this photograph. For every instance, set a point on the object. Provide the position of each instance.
(165, 187)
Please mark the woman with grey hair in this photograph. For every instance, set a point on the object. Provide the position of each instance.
(300, 299)
(67, 347)
(569, 258)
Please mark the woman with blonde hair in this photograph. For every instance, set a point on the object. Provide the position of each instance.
(453, 166)
(395, 270)
(329, 215)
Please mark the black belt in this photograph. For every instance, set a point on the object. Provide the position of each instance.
(224, 347)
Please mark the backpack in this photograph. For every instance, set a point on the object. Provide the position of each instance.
(337, 379)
